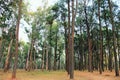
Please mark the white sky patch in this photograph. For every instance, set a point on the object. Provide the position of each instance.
(34, 4)
(22, 33)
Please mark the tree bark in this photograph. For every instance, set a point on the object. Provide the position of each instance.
(16, 45)
(114, 39)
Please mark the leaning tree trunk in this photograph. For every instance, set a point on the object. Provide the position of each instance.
(114, 39)
(16, 44)
(7, 61)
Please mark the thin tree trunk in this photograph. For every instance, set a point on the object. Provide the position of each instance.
(31, 56)
(59, 66)
(34, 61)
(114, 39)
(50, 52)
(66, 49)
(82, 48)
(101, 40)
(118, 47)
(43, 56)
(16, 45)
(55, 57)
(7, 61)
(89, 40)
(68, 46)
(47, 59)
(72, 40)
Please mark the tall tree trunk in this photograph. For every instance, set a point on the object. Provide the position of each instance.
(34, 60)
(118, 45)
(55, 57)
(89, 40)
(72, 40)
(66, 49)
(16, 45)
(101, 40)
(80, 55)
(7, 61)
(43, 56)
(50, 51)
(31, 55)
(114, 39)
(68, 46)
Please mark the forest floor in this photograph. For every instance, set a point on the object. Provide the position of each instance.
(58, 75)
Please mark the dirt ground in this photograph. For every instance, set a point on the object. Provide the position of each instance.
(58, 75)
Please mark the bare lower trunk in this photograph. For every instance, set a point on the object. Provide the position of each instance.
(27, 61)
(46, 59)
(43, 58)
(31, 56)
(50, 51)
(59, 66)
(7, 61)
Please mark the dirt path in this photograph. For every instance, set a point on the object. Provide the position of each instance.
(58, 75)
